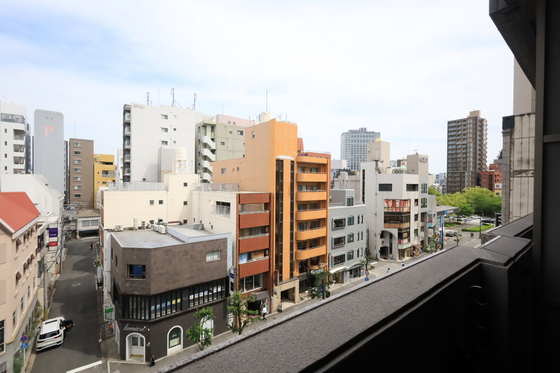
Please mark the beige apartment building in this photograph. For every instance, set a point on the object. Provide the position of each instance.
(80, 173)
(19, 255)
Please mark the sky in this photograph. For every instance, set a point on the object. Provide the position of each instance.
(400, 67)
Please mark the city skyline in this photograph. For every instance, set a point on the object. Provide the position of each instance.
(401, 68)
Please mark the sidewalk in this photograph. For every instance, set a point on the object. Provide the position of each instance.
(112, 363)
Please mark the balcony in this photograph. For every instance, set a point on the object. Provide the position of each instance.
(208, 141)
(127, 144)
(396, 225)
(254, 267)
(311, 214)
(253, 243)
(206, 165)
(127, 171)
(208, 154)
(127, 117)
(310, 177)
(254, 220)
(474, 306)
(309, 195)
(311, 253)
(311, 233)
(127, 131)
(126, 158)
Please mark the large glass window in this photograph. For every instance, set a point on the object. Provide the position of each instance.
(339, 259)
(338, 223)
(339, 241)
(136, 271)
(350, 220)
(2, 343)
(250, 282)
(212, 256)
(385, 187)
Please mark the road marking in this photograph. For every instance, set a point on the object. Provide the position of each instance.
(85, 367)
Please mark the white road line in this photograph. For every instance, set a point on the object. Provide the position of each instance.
(85, 367)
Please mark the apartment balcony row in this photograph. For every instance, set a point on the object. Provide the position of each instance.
(311, 195)
(127, 117)
(206, 165)
(127, 144)
(311, 177)
(311, 214)
(304, 254)
(310, 234)
(127, 131)
(255, 219)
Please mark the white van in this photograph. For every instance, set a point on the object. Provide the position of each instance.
(51, 333)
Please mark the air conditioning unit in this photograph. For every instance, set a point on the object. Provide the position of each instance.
(118, 228)
(161, 229)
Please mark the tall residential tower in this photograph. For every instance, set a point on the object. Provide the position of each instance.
(466, 151)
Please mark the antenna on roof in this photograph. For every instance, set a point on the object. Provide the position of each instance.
(174, 103)
(147, 98)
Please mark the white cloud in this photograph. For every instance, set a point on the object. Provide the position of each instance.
(402, 67)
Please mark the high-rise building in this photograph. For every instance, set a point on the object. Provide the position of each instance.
(353, 146)
(466, 151)
(80, 173)
(13, 139)
(49, 148)
(275, 162)
(148, 131)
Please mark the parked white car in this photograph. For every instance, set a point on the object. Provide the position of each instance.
(52, 332)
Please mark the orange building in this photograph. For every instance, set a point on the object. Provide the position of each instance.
(299, 181)
(492, 179)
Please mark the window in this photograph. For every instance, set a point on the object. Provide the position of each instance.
(163, 142)
(21, 304)
(185, 203)
(78, 144)
(221, 208)
(105, 173)
(223, 171)
(151, 202)
(339, 259)
(77, 152)
(164, 116)
(160, 202)
(385, 187)
(239, 132)
(415, 217)
(212, 256)
(77, 161)
(136, 271)
(339, 241)
(412, 187)
(223, 143)
(77, 195)
(350, 220)
(350, 237)
(338, 223)
(424, 203)
(250, 282)
(77, 187)
(14, 318)
(350, 201)
(185, 184)
(350, 255)
(253, 134)
(2, 342)
(163, 129)
(77, 178)
(416, 233)
(77, 169)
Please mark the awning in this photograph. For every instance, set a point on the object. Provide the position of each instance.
(259, 295)
(333, 271)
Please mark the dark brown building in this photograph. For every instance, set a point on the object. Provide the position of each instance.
(160, 279)
(80, 173)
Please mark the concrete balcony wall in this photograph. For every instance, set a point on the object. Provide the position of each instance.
(254, 267)
(255, 243)
(260, 219)
(311, 196)
(403, 225)
(310, 215)
(311, 177)
(311, 253)
(310, 234)
(460, 310)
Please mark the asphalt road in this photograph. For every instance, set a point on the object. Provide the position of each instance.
(75, 298)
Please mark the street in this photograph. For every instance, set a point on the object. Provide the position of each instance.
(76, 299)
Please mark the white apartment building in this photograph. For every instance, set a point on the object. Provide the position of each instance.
(13, 136)
(353, 146)
(218, 139)
(147, 130)
(393, 212)
(49, 148)
(347, 235)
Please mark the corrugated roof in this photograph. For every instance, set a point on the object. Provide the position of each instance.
(17, 210)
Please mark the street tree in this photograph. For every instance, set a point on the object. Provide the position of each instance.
(199, 333)
(322, 283)
(237, 305)
(367, 259)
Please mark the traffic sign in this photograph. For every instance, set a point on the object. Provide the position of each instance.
(24, 338)
(367, 273)
(109, 310)
(24, 345)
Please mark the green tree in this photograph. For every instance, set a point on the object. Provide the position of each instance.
(198, 333)
(473, 200)
(367, 258)
(243, 316)
(323, 281)
(433, 191)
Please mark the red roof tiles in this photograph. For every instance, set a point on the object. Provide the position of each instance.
(16, 209)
